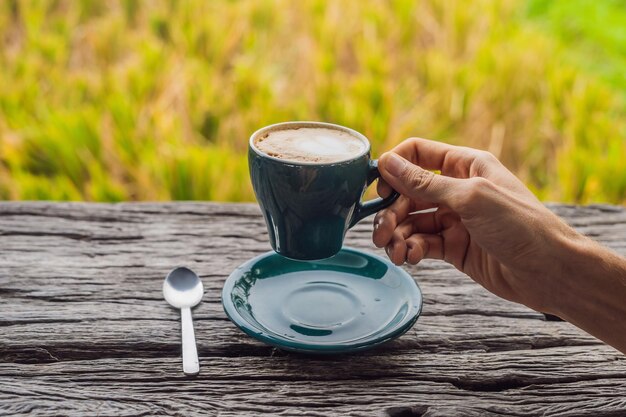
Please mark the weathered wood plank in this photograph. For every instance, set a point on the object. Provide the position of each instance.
(350, 386)
(90, 339)
(84, 331)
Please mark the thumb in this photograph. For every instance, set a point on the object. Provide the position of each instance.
(414, 182)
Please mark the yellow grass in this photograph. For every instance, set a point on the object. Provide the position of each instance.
(155, 100)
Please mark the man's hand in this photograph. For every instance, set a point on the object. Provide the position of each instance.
(488, 224)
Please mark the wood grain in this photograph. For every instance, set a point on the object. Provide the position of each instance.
(84, 330)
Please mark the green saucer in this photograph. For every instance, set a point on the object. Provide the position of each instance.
(350, 302)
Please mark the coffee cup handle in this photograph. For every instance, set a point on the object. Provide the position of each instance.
(364, 209)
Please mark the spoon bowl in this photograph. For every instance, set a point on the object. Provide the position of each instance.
(182, 288)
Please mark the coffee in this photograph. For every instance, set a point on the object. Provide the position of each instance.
(310, 144)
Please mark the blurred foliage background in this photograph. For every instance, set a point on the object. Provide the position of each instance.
(155, 100)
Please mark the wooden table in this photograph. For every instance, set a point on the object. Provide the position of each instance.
(84, 329)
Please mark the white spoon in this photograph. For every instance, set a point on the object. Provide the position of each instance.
(183, 289)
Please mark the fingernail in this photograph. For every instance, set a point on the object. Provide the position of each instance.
(389, 251)
(395, 165)
(378, 223)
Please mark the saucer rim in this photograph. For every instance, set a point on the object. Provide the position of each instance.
(307, 347)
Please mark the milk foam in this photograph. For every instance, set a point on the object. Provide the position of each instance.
(310, 145)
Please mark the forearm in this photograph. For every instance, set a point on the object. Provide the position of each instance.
(591, 291)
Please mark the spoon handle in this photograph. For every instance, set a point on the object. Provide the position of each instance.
(190, 354)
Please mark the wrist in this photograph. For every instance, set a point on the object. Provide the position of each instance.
(590, 290)
(562, 254)
(583, 269)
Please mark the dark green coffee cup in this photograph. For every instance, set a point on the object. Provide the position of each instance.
(309, 207)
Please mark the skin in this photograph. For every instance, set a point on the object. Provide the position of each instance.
(492, 228)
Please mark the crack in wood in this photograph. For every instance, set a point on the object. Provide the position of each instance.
(507, 383)
(408, 411)
(73, 236)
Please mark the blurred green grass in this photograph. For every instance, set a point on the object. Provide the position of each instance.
(155, 100)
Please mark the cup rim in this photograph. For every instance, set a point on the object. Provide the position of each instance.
(306, 123)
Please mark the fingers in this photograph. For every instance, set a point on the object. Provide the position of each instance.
(396, 251)
(424, 235)
(426, 153)
(416, 183)
(460, 162)
(422, 246)
(454, 161)
(387, 220)
(422, 152)
(383, 189)
(457, 240)
(416, 247)
(398, 246)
